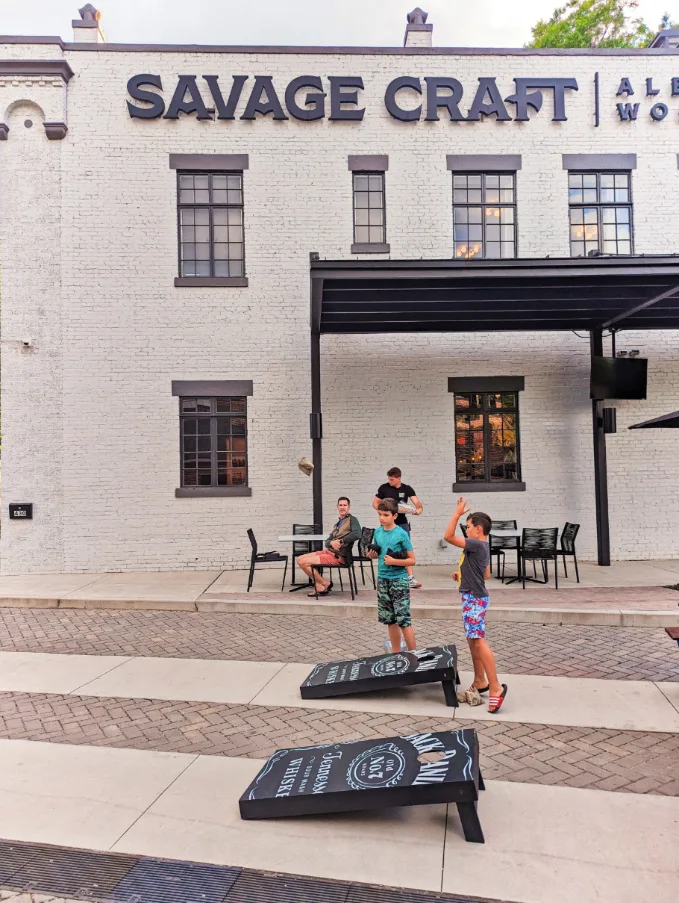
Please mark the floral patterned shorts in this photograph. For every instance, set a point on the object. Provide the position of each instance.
(474, 616)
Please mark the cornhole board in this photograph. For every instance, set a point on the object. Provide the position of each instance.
(417, 770)
(673, 633)
(436, 664)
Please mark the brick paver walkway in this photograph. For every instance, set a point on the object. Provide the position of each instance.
(543, 754)
(602, 652)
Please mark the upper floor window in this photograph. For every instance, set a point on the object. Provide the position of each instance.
(484, 215)
(600, 213)
(214, 441)
(210, 215)
(370, 222)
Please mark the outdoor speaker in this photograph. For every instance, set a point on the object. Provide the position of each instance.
(610, 423)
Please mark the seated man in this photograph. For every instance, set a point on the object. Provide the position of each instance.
(337, 549)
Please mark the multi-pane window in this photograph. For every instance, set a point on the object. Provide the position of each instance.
(214, 441)
(484, 215)
(600, 213)
(370, 224)
(487, 437)
(211, 224)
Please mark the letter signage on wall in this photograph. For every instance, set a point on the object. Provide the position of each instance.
(407, 98)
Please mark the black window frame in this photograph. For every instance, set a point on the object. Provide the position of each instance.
(213, 415)
(211, 206)
(599, 206)
(489, 483)
(483, 204)
(381, 174)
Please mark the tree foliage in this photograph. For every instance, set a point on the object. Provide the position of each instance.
(594, 23)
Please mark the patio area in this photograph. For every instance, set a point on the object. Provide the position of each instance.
(628, 593)
(438, 577)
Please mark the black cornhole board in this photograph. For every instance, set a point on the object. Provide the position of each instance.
(385, 672)
(371, 774)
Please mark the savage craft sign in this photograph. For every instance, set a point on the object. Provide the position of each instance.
(308, 98)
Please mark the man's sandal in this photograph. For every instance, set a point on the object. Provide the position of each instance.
(495, 702)
(321, 592)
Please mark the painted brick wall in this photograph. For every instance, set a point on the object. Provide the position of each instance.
(89, 253)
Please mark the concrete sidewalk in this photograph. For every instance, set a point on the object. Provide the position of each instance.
(629, 593)
(592, 846)
(622, 705)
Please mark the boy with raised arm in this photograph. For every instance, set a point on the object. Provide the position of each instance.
(474, 569)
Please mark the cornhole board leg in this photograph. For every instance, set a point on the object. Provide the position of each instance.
(470, 822)
(450, 692)
(482, 783)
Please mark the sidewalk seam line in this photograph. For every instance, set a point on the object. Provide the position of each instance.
(443, 852)
(154, 801)
(126, 659)
(261, 689)
(84, 586)
(202, 593)
(658, 685)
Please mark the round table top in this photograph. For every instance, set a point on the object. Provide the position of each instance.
(302, 537)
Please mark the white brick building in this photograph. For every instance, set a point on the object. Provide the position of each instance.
(91, 279)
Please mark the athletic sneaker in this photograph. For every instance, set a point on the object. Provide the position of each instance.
(387, 646)
(414, 584)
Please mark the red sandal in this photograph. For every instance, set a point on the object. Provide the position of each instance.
(495, 702)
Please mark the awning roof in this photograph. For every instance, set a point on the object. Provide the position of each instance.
(667, 421)
(369, 296)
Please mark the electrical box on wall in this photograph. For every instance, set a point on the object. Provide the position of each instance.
(21, 511)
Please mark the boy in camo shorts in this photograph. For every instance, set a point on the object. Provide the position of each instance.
(393, 588)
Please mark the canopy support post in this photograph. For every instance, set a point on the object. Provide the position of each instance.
(603, 539)
(316, 429)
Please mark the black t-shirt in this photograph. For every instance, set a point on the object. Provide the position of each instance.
(402, 494)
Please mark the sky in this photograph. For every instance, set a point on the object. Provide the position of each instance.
(378, 23)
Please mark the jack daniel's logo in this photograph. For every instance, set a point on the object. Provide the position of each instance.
(418, 760)
(382, 666)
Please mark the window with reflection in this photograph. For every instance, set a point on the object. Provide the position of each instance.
(210, 211)
(370, 216)
(487, 437)
(214, 441)
(600, 213)
(484, 215)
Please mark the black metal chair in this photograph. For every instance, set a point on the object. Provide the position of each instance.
(301, 548)
(499, 544)
(349, 568)
(567, 550)
(264, 558)
(538, 544)
(362, 559)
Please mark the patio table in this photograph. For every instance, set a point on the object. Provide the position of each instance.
(307, 538)
(511, 534)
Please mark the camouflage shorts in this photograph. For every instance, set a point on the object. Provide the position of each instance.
(393, 602)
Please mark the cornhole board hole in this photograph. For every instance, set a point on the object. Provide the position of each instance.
(385, 672)
(417, 770)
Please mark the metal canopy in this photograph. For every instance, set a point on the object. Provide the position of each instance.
(667, 421)
(366, 296)
(402, 296)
